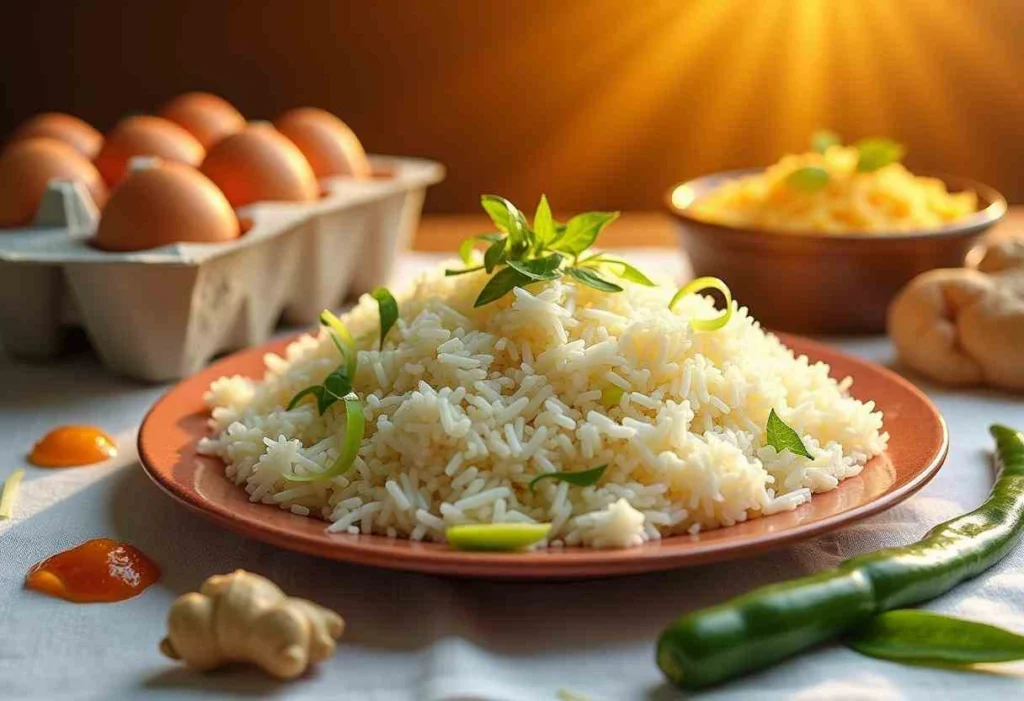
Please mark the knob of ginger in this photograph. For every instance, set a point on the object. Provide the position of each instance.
(964, 326)
(242, 617)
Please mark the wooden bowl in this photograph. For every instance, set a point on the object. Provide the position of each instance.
(822, 283)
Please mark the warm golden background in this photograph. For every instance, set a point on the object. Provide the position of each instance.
(600, 103)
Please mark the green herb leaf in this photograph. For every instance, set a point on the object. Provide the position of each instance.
(782, 437)
(315, 391)
(500, 285)
(623, 270)
(453, 273)
(343, 340)
(466, 250)
(611, 396)
(334, 387)
(507, 217)
(355, 423)
(877, 153)
(924, 637)
(808, 179)
(581, 232)
(592, 279)
(580, 478)
(698, 285)
(496, 536)
(388, 308)
(544, 223)
(495, 254)
(823, 139)
(545, 268)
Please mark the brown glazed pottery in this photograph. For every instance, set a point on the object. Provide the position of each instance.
(917, 448)
(822, 283)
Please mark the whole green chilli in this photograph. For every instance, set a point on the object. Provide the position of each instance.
(771, 623)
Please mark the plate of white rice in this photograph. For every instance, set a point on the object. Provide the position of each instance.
(465, 407)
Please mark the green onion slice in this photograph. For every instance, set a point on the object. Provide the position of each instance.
(342, 339)
(706, 283)
(496, 536)
(355, 422)
(10, 494)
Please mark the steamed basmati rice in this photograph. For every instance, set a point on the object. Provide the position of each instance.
(465, 406)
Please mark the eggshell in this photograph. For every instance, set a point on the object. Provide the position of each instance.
(207, 117)
(145, 136)
(26, 167)
(165, 203)
(327, 142)
(55, 125)
(260, 164)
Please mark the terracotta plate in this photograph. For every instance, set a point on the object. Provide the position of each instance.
(917, 448)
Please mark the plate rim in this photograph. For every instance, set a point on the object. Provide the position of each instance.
(564, 563)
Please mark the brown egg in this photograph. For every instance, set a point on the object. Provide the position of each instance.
(207, 117)
(63, 127)
(327, 142)
(26, 167)
(259, 164)
(162, 203)
(145, 136)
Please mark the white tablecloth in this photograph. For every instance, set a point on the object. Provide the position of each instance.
(419, 637)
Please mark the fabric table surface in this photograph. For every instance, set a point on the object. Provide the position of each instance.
(413, 636)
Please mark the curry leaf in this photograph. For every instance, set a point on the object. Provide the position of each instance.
(592, 279)
(808, 179)
(581, 231)
(543, 223)
(500, 285)
(388, 308)
(545, 268)
(877, 153)
(581, 478)
(782, 437)
(313, 391)
(924, 637)
(823, 139)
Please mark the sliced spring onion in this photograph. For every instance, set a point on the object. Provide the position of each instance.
(355, 422)
(496, 536)
(706, 283)
(342, 339)
(10, 494)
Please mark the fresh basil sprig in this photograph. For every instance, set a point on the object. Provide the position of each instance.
(388, 308)
(921, 637)
(521, 254)
(781, 437)
(580, 478)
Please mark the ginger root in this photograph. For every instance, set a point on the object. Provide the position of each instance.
(242, 617)
(965, 326)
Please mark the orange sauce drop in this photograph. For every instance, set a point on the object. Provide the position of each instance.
(69, 446)
(97, 570)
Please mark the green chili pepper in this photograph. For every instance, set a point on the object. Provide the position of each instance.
(774, 622)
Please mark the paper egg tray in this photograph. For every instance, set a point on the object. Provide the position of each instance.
(163, 313)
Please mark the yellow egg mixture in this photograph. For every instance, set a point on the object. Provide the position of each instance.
(890, 199)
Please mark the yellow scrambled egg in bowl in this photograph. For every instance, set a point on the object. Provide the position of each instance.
(861, 188)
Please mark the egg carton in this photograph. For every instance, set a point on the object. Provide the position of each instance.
(163, 313)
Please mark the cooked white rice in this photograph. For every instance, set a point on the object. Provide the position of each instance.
(465, 406)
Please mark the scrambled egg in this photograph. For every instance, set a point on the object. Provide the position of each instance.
(890, 199)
